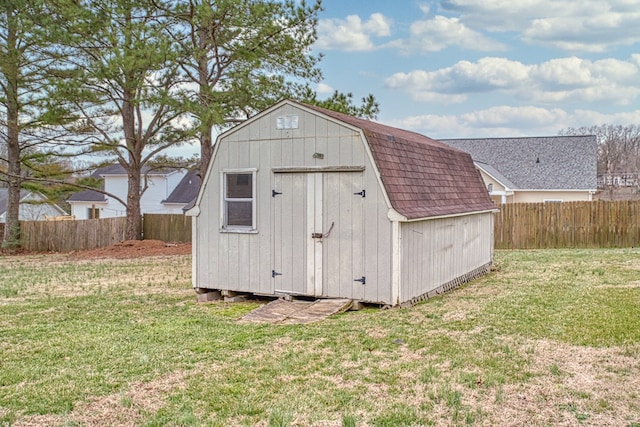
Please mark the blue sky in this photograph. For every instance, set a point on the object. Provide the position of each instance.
(490, 68)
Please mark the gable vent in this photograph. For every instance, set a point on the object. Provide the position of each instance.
(287, 122)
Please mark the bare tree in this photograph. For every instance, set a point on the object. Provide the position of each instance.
(618, 148)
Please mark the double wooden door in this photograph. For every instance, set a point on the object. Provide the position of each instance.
(318, 234)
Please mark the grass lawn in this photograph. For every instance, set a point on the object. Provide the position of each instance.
(548, 338)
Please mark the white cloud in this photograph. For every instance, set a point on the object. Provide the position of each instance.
(564, 79)
(378, 25)
(574, 26)
(502, 116)
(324, 88)
(587, 33)
(351, 33)
(440, 32)
(436, 33)
(432, 34)
(502, 121)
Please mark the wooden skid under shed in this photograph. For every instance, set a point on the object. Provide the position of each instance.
(281, 311)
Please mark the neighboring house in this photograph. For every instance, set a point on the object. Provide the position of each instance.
(535, 169)
(299, 200)
(160, 185)
(33, 206)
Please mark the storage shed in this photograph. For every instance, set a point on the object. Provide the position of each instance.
(300, 200)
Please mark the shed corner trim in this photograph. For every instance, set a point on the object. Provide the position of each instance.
(194, 211)
(396, 216)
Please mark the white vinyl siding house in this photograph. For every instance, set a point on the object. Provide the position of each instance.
(159, 188)
(33, 206)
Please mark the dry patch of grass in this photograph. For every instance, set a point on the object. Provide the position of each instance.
(570, 385)
(58, 275)
(127, 409)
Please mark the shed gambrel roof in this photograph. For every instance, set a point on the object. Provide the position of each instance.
(422, 177)
(538, 163)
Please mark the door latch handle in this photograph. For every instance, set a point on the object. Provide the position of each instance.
(321, 235)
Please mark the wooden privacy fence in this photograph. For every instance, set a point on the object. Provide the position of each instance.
(567, 225)
(167, 227)
(517, 226)
(65, 236)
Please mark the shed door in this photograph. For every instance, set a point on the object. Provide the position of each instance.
(318, 234)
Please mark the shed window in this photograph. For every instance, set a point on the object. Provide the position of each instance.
(239, 201)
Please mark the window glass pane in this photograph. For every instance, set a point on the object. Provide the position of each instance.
(239, 213)
(239, 186)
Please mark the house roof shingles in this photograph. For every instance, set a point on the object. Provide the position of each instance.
(87, 196)
(538, 163)
(4, 198)
(117, 169)
(422, 177)
(186, 190)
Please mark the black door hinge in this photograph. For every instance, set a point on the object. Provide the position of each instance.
(362, 280)
(362, 193)
(275, 273)
(275, 193)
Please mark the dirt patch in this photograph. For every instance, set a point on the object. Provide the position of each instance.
(135, 249)
(124, 249)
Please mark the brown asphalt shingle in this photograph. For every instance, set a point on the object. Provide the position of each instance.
(423, 177)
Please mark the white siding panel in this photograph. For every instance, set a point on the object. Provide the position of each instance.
(309, 122)
(435, 252)
(343, 251)
(289, 232)
(377, 243)
(261, 278)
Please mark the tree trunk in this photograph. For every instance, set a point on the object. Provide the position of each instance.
(133, 229)
(12, 221)
(206, 149)
(133, 135)
(206, 127)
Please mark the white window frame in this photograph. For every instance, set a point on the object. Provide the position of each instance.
(224, 227)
